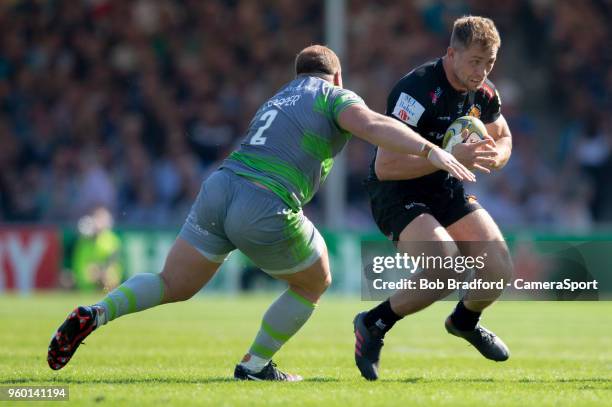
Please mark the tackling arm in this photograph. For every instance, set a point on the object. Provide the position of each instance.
(391, 166)
(381, 130)
(391, 134)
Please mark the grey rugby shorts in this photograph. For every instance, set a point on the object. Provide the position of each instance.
(232, 212)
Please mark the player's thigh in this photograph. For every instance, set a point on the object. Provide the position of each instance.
(300, 257)
(477, 234)
(425, 236)
(277, 239)
(424, 227)
(475, 226)
(202, 244)
(185, 271)
(204, 228)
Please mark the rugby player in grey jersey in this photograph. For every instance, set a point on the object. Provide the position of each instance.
(253, 202)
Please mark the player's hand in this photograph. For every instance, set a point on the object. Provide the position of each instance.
(446, 161)
(480, 155)
(491, 146)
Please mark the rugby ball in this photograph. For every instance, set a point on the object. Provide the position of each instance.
(452, 137)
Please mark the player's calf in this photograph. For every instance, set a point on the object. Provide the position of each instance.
(286, 316)
(185, 272)
(497, 269)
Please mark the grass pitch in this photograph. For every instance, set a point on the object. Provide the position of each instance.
(184, 354)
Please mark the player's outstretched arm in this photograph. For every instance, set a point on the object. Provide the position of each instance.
(390, 134)
(392, 166)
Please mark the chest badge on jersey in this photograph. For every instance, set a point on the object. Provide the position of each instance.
(408, 110)
(474, 111)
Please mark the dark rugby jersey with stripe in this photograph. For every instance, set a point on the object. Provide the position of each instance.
(425, 101)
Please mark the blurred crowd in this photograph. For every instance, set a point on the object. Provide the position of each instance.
(128, 105)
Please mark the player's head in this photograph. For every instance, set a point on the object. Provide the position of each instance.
(473, 50)
(320, 61)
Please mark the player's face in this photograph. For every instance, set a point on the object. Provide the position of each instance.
(472, 65)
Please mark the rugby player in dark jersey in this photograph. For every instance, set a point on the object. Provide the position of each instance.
(414, 202)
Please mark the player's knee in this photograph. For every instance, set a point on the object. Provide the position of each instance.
(327, 280)
(174, 291)
(314, 288)
(445, 248)
(451, 250)
(184, 294)
(506, 265)
(500, 265)
(319, 286)
(168, 289)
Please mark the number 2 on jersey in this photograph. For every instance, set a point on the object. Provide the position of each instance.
(269, 117)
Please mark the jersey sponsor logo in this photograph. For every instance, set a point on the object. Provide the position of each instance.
(474, 111)
(435, 95)
(444, 118)
(408, 110)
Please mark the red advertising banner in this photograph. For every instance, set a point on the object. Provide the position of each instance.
(30, 257)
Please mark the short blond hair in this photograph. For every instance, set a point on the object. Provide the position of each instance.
(317, 59)
(468, 30)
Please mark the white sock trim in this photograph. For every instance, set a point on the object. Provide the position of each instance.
(255, 363)
(100, 315)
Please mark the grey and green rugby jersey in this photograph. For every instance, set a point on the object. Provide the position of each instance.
(291, 141)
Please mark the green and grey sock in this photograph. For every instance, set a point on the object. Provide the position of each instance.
(140, 292)
(280, 322)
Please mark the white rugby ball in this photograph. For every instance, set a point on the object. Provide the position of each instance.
(452, 137)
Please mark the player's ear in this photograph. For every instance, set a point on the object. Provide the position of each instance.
(338, 79)
(450, 52)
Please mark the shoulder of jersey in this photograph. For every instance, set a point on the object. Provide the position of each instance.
(420, 71)
(488, 89)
